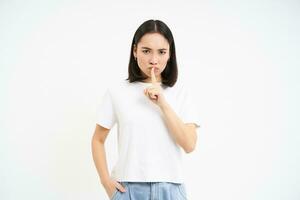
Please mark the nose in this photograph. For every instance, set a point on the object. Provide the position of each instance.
(153, 60)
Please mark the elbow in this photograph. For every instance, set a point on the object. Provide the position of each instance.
(189, 148)
(190, 145)
(190, 142)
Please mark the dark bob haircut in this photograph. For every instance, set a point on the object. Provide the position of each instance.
(170, 73)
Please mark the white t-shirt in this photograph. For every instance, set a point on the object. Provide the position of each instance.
(147, 152)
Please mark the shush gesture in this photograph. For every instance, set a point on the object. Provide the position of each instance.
(154, 92)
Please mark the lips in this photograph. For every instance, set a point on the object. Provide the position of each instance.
(155, 68)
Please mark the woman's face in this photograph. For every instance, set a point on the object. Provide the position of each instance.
(152, 51)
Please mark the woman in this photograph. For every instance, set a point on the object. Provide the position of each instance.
(156, 119)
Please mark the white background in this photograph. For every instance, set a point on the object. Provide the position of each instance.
(240, 57)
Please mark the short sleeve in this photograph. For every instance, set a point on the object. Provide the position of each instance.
(190, 111)
(106, 116)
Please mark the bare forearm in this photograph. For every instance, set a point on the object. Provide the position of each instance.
(181, 133)
(99, 157)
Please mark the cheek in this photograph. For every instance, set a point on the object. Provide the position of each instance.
(166, 58)
(142, 59)
(143, 65)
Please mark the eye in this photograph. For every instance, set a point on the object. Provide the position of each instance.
(145, 51)
(162, 52)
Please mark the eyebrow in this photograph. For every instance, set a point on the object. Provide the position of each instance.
(150, 48)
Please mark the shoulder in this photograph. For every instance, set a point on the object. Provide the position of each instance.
(117, 86)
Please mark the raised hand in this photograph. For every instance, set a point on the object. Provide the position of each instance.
(154, 92)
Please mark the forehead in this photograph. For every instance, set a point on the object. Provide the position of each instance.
(154, 41)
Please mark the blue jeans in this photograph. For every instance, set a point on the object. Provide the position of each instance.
(151, 191)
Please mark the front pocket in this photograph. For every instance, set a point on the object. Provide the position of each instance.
(118, 194)
(114, 194)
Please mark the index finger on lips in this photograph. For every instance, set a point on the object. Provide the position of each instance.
(153, 78)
